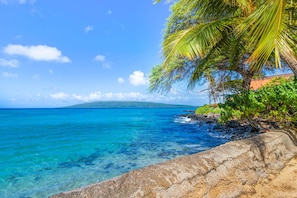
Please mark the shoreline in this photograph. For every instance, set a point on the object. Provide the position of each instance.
(233, 130)
(233, 169)
(237, 131)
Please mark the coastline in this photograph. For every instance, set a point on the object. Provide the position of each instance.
(232, 130)
(233, 169)
(235, 129)
(138, 138)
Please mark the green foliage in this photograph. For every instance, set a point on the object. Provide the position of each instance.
(208, 109)
(274, 102)
(238, 37)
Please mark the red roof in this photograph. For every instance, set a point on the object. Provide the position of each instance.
(256, 84)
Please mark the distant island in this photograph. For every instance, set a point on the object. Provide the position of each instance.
(127, 104)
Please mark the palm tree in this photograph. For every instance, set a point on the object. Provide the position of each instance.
(272, 30)
(242, 36)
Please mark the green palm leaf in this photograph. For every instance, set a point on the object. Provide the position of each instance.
(196, 41)
(265, 27)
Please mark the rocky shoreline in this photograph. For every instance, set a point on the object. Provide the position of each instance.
(235, 169)
(233, 130)
(243, 168)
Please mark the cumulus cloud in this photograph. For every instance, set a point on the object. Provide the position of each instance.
(121, 80)
(9, 75)
(9, 63)
(89, 28)
(37, 52)
(90, 97)
(137, 78)
(98, 96)
(99, 58)
(182, 98)
(60, 96)
(102, 59)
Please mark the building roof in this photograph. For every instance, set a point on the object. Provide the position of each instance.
(256, 84)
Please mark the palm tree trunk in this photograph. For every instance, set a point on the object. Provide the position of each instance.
(291, 61)
(246, 81)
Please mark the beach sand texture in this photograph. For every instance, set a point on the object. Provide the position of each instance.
(282, 184)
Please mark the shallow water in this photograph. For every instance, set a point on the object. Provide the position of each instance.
(46, 151)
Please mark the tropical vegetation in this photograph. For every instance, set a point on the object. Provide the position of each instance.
(271, 103)
(235, 38)
(227, 42)
(208, 109)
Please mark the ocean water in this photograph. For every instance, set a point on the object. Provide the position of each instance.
(47, 151)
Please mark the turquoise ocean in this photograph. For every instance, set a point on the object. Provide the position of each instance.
(47, 151)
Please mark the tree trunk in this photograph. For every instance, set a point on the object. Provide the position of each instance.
(246, 81)
(291, 61)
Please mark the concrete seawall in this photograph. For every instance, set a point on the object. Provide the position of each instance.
(229, 170)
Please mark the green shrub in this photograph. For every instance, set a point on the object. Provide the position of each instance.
(206, 109)
(275, 102)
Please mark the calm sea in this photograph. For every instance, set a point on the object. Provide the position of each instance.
(46, 151)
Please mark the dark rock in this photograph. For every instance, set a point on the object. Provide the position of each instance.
(232, 130)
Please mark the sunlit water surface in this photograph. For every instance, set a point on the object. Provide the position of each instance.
(46, 151)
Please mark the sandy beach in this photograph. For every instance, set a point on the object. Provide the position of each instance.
(281, 184)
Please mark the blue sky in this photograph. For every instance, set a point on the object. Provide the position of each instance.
(58, 53)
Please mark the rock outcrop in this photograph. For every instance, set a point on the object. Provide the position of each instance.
(230, 170)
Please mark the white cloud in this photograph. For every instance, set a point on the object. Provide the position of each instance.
(17, 1)
(91, 97)
(102, 59)
(89, 28)
(37, 52)
(109, 12)
(182, 98)
(9, 63)
(137, 78)
(50, 71)
(9, 75)
(121, 80)
(99, 58)
(98, 96)
(60, 96)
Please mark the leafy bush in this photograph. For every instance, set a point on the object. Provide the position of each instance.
(206, 109)
(274, 102)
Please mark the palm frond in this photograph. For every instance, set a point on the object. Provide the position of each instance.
(264, 27)
(209, 9)
(196, 41)
(211, 61)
